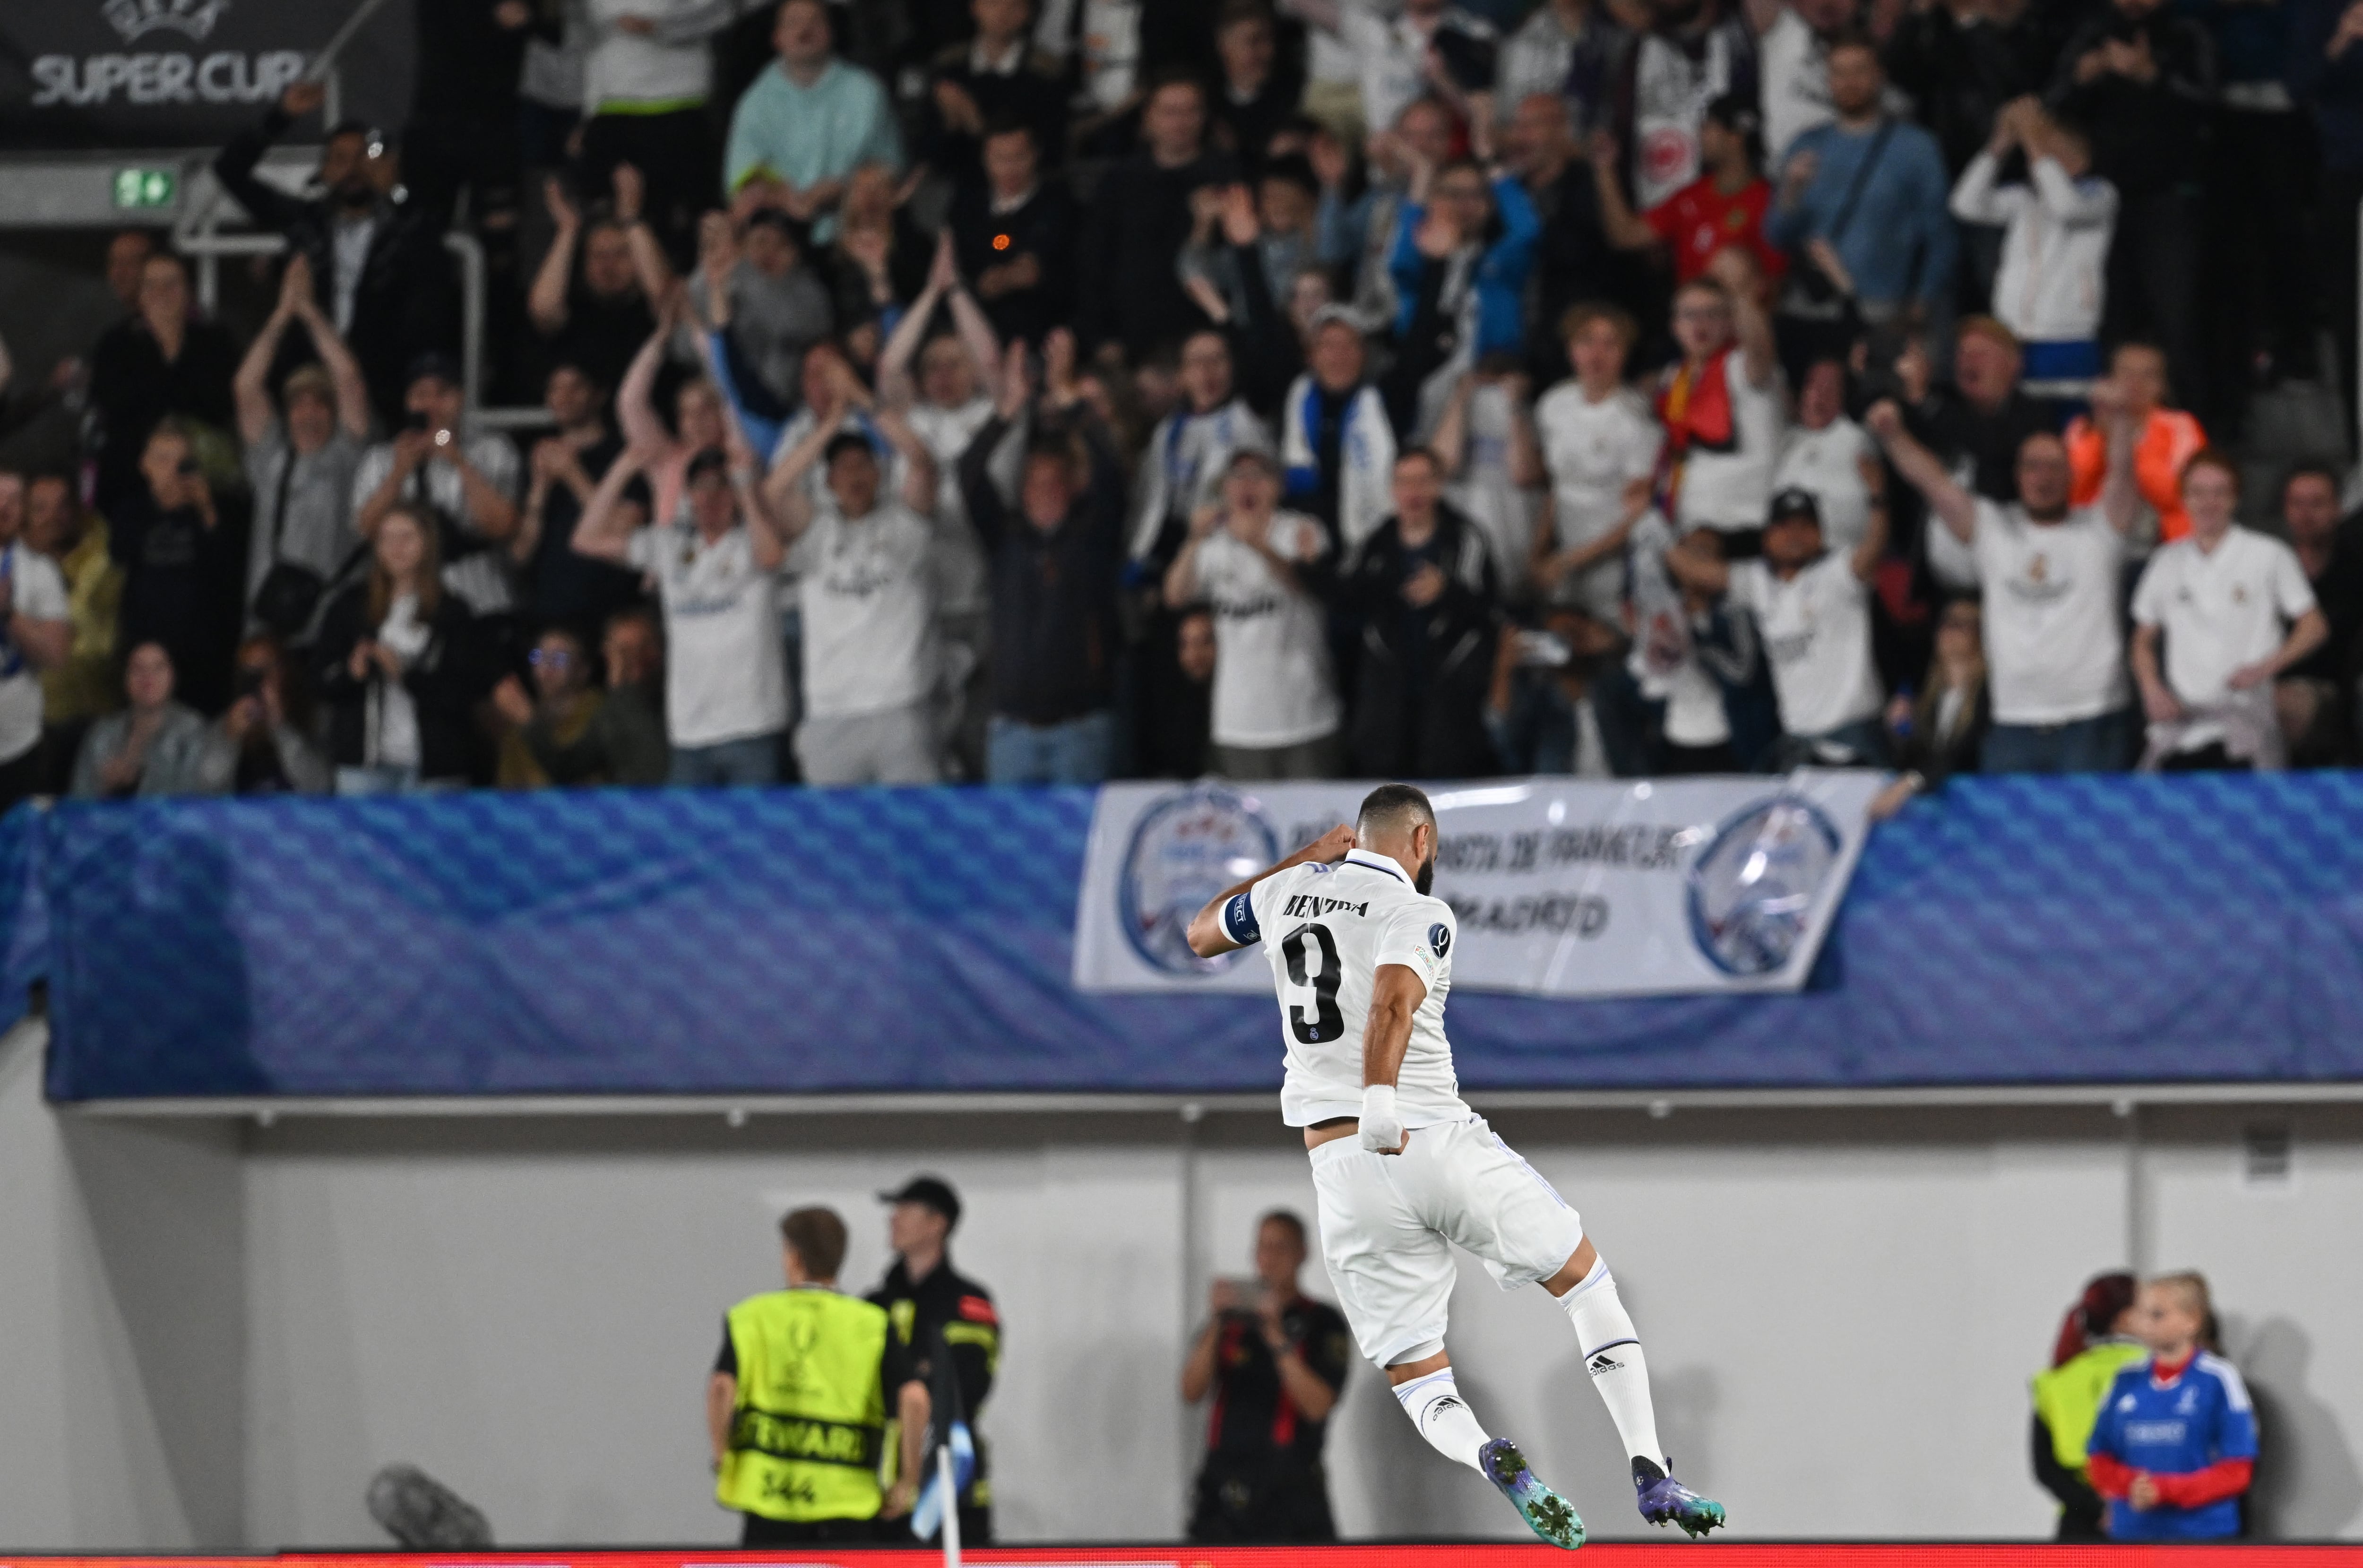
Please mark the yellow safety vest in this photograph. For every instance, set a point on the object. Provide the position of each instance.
(811, 1421)
(2068, 1397)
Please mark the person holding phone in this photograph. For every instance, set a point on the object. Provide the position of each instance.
(180, 568)
(1274, 1359)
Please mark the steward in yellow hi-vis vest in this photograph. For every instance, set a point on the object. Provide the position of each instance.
(806, 1389)
(2093, 1344)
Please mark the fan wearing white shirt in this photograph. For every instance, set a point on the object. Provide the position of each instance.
(2056, 231)
(1600, 442)
(1831, 459)
(1812, 604)
(1276, 710)
(1190, 450)
(2222, 595)
(2054, 650)
(866, 579)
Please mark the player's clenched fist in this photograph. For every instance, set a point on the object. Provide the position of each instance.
(1330, 848)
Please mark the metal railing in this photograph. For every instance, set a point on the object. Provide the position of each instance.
(199, 235)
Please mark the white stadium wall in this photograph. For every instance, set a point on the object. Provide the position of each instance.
(216, 1330)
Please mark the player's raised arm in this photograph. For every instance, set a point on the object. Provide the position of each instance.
(1218, 929)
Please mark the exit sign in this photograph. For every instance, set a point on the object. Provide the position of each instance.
(145, 187)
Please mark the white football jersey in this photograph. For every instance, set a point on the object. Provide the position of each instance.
(1326, 930)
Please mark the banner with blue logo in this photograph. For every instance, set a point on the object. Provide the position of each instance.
(1561, 887)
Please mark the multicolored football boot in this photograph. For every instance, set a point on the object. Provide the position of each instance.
(1545, 1511)
(1666, 1501)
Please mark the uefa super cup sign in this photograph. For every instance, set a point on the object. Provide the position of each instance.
(1558, 887)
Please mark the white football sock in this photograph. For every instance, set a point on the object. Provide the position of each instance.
(1612, 1354)
(1443, 1418)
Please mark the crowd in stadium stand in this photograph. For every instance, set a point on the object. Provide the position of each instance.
(1054, 390)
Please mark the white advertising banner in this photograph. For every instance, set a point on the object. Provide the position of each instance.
(1560, 887)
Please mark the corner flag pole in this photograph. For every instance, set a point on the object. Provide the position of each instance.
(952, 1505)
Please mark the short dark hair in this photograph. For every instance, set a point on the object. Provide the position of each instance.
(1393, 807)
(846, 442)
(1174, 76)
(1853, 38)
(816, 1236)
(2319, 468)
(1007, 124)
(1295, 169)
(1289, 1217)
(1420, 454)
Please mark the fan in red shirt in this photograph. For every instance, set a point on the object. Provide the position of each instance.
(1723, 207)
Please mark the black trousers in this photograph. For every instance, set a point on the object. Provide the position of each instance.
(1248, 1500)
(2154, 284)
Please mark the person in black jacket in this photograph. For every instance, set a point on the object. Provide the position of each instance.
(183, 555)
(1015, 234)
(1425, 589)
(389, 296)
(401, 670)
(161, 361)
(934, 1310)
(1131, 300)
(1054, 559)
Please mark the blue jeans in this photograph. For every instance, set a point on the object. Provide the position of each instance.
(1075, 753)
(727, 763)
(2099, 745)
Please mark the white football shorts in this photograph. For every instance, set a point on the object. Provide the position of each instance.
(1387, 1222)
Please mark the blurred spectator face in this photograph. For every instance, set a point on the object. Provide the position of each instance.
(697, 415)
(1046, 489)
(1194, 647)
(1427, 128)
(1596, 353)
(1702, 322)
(1206, 372)
(2070, 148)
(2043, 477)
(801, 34)
(1961, 634)
(1792, 542)
(126, 254)
(2210, 496)
(1538, 132)
(2168, 1318)
(2138, 9)
(1854, 80)
(257, 669)
(12, 505)
(1278, 1254)
(401, 546)
(1174, 123)
(311, 413)
(1669, 16)
(1251, 491)
(2139, 372)
(1245, 49)
(1338, 356)
(853, 480)
(147, 676)
(345, 170)
(438, 399)
(1000, 21)
(571, 397)
(869, 197)
(768, 249)
(163, 463)
(630, 651)
(608, 261)
(560, 668)
(1009, 163)
(2309, 508)
(1285, 206)
(1822, 398)
(1718, 143)
(825, 367)
(1417, 488)
(915, 1228)
(947, 379)
(164, 292)
(50, 520)
(1824, 16)
(1985, 370)
(712, 507)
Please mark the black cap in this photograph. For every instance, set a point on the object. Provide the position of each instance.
(1794, 502)
(933, 1191)
(436, 364)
